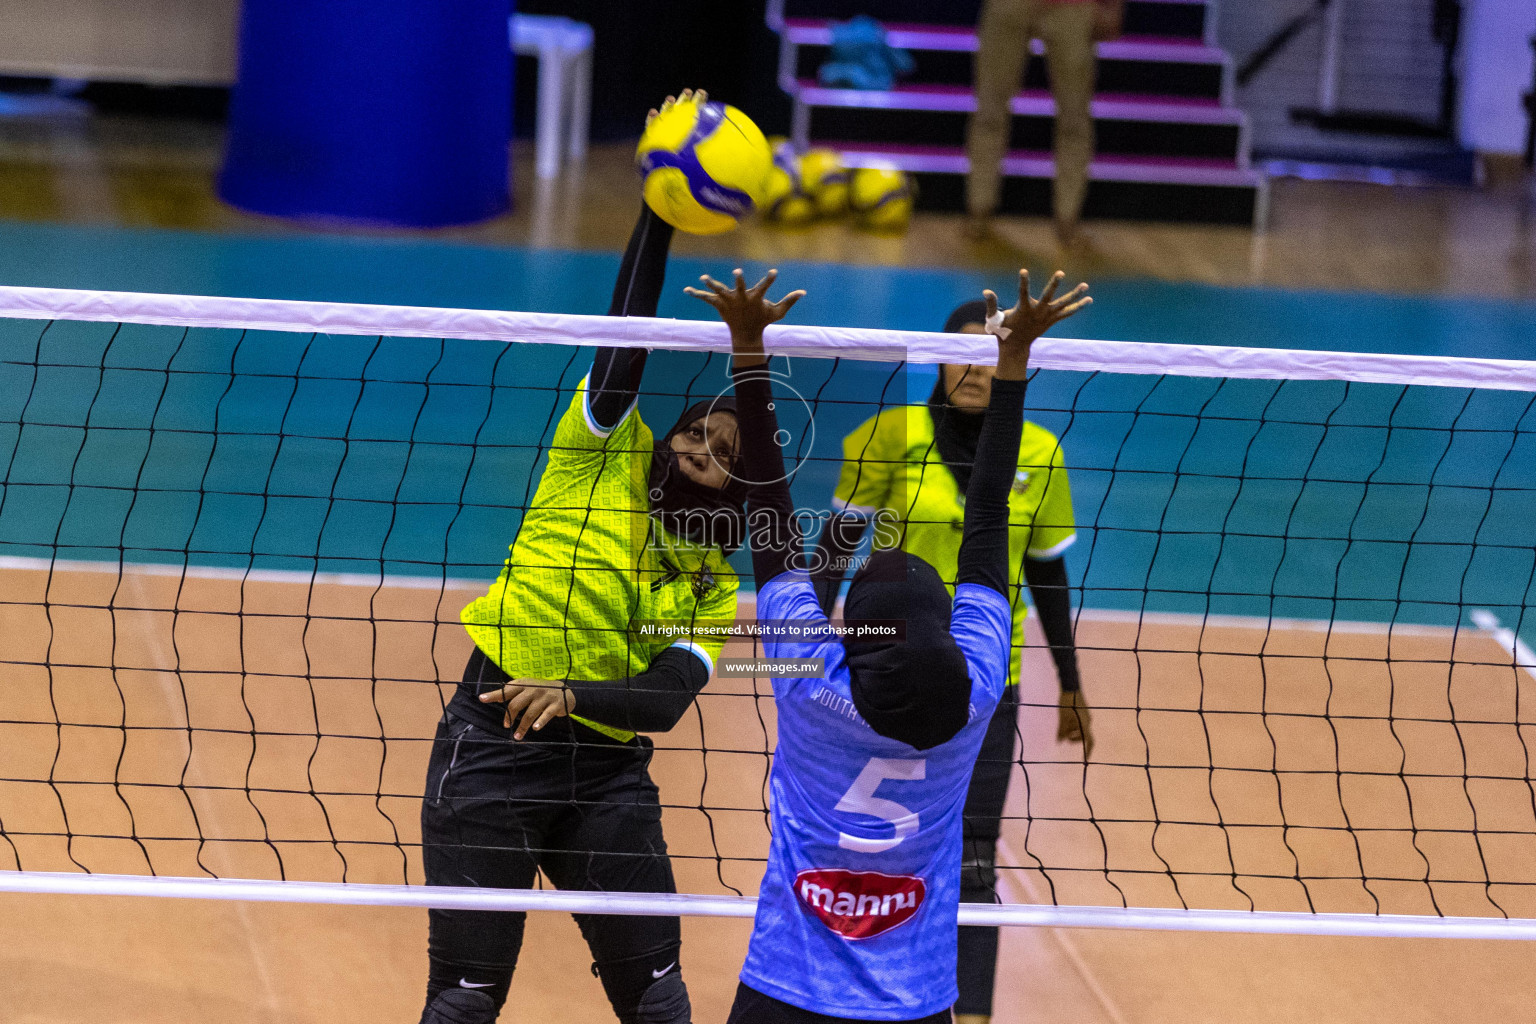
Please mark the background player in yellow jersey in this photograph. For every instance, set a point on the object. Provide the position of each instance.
(537, 765)
(909, 467)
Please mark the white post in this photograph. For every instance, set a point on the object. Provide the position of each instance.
(800, 124)
(581, 103)
(542, 222)
(551, 95)
(1333, 45)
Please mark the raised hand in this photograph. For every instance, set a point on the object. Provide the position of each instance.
(531, 703)
(687, 95)
(746, 311)
(1017, 328)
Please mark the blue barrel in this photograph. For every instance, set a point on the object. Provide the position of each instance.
(377, 111)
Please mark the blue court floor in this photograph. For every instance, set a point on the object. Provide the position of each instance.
(430, 273)
(1303, 500)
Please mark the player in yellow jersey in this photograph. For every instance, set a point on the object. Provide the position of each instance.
(603, 624)
(907, 468)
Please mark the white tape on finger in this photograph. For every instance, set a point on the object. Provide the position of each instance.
(995, 326)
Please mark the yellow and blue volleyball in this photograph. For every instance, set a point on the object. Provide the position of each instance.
(705, 166)
(881, 197)
(826, 181)
(786, 200)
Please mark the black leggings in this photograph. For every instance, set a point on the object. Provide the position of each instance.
(977, 969)
(752, 1007)
(573, 804)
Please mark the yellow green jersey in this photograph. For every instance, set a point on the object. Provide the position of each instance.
(892, 471)
(592, 575)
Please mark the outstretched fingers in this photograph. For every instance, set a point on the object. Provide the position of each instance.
(703, 296)
(1058, 315)
(696, 95)
(666, 104)
(745, 308)
(1049, 292)
(1069, 303)
(787, 303)
(1025, 299)
(761, 288)
(1069, 298)
(716, 294)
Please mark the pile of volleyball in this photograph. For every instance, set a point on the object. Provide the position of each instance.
(706, 167)
(816, 185)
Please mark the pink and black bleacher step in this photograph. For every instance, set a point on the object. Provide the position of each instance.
(1168, 146)
(1143, 65)
(1186, 18)
(937, 115)
(1141, 187)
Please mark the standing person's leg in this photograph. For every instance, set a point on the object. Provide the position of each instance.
(472, 834)
(610, 840)
(1070, 56)
(1003, 35)
(984, 801)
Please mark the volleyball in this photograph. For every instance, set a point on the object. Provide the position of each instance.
(881, 197)
(826, 180)
(786, 201)
(705, 165)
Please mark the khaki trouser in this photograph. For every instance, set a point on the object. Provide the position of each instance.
(1005, 30)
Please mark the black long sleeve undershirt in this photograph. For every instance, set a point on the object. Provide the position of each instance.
(656, 699)
(653, 701)
(616, 372)
(771, 525)
(839, 540)
(1048, 589)
(984, 544)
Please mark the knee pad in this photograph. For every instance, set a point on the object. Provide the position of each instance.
(665, 1002)
(460, 1006)
(647, 988)
(978, 871)
(461, 974)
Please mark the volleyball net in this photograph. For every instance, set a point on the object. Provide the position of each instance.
(236, 536)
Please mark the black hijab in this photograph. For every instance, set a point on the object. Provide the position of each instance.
(956, 431)
(705, 515)
(916, 690)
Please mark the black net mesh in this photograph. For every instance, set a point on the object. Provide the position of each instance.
(232, 565)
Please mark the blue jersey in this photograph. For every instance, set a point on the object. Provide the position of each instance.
(857, 912)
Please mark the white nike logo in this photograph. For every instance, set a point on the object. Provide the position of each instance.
(664, 970)
(464, 983)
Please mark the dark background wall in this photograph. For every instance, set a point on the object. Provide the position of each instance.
(646, 49)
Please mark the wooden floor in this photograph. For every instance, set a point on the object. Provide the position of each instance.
(1357, 237)
(198, 725)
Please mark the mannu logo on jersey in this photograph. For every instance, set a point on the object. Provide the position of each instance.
(859, 904)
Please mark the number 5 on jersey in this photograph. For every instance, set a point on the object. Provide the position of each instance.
(861, 799)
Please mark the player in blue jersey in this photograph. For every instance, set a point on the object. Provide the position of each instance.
(856, 918)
